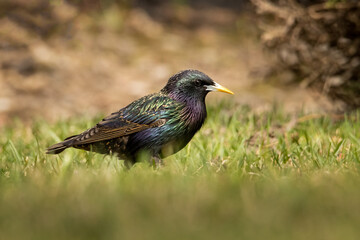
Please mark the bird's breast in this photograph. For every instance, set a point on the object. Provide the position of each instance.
(194, 115)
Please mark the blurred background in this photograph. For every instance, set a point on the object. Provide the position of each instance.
(273, 170)
(64, 58)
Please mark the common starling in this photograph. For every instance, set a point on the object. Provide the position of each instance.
(154, 126)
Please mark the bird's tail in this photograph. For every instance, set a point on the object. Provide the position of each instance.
(56, 148)
(61, 146)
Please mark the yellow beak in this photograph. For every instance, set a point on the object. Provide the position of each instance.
(218, 88)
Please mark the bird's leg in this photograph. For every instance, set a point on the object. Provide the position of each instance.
(156, 161)
(128, 164)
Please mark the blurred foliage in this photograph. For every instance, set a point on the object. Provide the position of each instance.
(319, 43)
(101, 4)
(332, 2)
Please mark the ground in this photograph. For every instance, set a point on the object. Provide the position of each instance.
(99, 63)
(244, 176)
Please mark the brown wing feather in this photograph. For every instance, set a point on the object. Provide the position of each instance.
(101, 133)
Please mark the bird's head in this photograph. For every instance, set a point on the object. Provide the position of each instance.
(192, 84)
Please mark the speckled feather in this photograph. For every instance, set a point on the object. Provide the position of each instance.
(161, 123)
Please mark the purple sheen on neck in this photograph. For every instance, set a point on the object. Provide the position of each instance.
(194, 112)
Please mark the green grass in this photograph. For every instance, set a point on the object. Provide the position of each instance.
(244, 176)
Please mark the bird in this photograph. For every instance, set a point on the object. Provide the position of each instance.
(152, 127)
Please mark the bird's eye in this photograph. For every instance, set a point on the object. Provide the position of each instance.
(198, 83)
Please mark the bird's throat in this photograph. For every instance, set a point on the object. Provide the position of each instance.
(194, 114)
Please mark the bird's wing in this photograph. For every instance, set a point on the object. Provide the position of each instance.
(147, 112)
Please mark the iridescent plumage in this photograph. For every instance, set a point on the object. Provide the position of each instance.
(156, 125)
